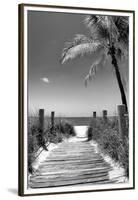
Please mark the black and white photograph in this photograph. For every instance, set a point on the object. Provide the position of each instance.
(76, 71)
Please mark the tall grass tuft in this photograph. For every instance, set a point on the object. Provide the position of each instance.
(36, 138)
(106, 134)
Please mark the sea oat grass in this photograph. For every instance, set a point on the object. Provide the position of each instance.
(51, 134)
(106, 134)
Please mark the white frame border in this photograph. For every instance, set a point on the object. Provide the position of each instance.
(131, 120)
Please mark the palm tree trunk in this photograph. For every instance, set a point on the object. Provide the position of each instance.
(115, 64)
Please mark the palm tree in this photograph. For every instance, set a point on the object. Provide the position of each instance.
(109, 38)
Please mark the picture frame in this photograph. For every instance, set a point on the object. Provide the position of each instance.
(41, 39)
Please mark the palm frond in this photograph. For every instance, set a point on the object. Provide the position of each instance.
(121, 50)
(79, 46)
(112, 28)
(119, 53)
(98, 25)
(93, 69)
(96, 21)
(122, 24)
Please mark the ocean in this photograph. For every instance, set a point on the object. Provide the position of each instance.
(75, 121)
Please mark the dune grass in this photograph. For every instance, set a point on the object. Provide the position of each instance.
(106, 134)
(36, 138)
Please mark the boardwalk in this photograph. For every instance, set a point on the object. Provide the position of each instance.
(72, 162)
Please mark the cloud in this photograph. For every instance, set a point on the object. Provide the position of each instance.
(45, 80)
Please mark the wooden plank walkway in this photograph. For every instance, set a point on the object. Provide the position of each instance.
(74, 162)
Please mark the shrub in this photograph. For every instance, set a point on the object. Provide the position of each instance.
(37, 138)
(35, 141)
(66, 128)
(106, 133)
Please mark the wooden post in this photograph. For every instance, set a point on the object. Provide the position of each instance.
(41, 119)
(94, 114)
(52, 118)
(105, 114)
(122, 120)
(52, 121)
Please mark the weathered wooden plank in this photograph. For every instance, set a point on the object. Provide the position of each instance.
(69, 175)
(68, 182)
(78, 162)
(78, 178)
(73, 166)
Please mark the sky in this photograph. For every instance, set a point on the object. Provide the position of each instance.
(60, 88)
